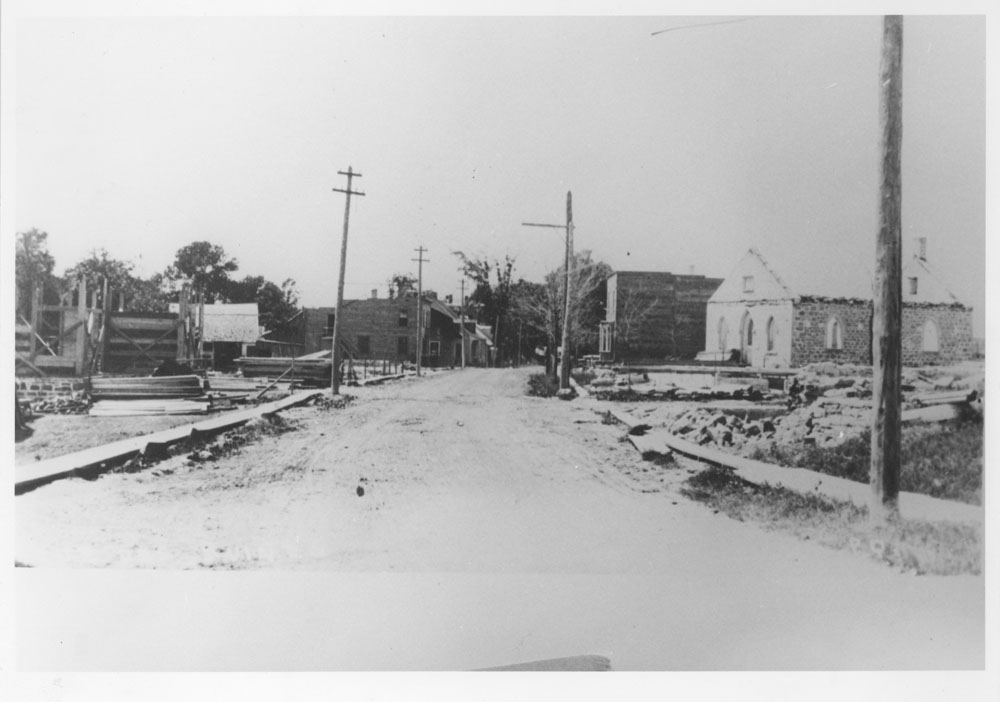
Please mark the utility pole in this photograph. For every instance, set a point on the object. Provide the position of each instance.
(564, 366)
(462, 310)
(420, 302)
(888, 301)
(335, 343)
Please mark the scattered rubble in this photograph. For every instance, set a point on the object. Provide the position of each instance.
(75, 404)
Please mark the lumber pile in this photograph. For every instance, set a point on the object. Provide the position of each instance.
(159, 388)
(145, 408)
(308, 371)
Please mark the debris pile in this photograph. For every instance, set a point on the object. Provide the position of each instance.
(724, 430)
(73, 404)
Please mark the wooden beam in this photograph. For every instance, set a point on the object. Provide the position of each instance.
(81, 328)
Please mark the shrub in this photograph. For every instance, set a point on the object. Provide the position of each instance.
(942, 460)
(542, 385)
(910, 545)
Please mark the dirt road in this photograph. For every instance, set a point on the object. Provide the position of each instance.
(493, 527)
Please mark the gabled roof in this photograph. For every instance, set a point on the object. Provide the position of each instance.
(232, 322)
(813, 282)
(764, 283)
(229, 321)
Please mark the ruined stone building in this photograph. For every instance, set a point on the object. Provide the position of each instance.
(754, 315)
(654, 317)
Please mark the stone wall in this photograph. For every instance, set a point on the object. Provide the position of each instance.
(809, 331)
(810, 323)
(379, 321)
(954, 331)
(37, 389)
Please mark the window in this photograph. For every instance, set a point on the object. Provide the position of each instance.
(749, 332)
(913, 285)
(364, 345)
(834, 334)
(402, 345)
(771, 332)
(435, 348)
(606, 332)
(328, 329)
(931, 341)
(723, 334)
(748, 283)
(404, 318)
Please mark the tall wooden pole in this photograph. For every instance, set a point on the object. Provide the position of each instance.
(462, 311)
(335, 342)
(564, 368)
(420, 303)
(888, 302)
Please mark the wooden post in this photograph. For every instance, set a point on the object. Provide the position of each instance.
(338, 313)
(201, 325)
(182, 327)
(420, 302)
(564, 368)
(35, 316)
(80, 363)
(887, 309)
(462, 311)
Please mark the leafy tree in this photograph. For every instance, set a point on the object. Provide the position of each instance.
(207, 266)
(33, 265)
(401, 285)
(276, 304)
(97, 268)
(150, 295)
(493, 300)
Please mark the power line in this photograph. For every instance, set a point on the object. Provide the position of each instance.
(702, 24)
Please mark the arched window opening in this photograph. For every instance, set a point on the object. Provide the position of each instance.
(931, 342)
(723, 331)
(771, 332)
(834, 334)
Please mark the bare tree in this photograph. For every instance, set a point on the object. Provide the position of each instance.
(541, 307)
(636, 304)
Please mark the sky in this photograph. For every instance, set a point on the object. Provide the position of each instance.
(681, 149)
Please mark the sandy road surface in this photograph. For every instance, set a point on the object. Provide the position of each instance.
(493, 528)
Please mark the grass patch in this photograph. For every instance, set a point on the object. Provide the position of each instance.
(914, 546)
(542, 385)
(941, 460)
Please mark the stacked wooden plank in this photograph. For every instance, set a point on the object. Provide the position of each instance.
(232, 383)
(313, 371)
(138, 342)
(146, 408)
(155, 388)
